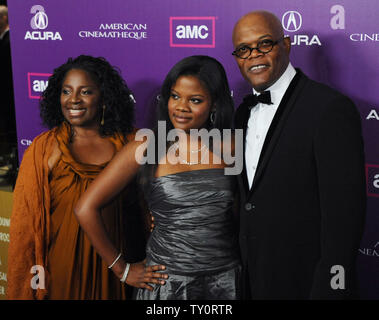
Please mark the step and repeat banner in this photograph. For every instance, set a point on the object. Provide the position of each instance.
(334, 42)
(5, 214)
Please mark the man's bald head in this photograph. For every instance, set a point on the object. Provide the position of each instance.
(3, 18)
(3, 10)
(265, 17)
(261, 70)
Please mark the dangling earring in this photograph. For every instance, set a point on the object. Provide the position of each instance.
(72, 133)
(102, 119)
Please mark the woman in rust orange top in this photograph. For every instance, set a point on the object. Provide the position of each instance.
(90, 112)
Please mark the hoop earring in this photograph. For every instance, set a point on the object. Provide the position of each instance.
(102, 118)
(132, 98)
(212, 117)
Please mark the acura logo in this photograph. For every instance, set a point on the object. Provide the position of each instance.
(291, 21)
(39, 20)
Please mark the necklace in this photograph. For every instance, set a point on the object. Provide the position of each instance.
(183, 161)
(194, 151)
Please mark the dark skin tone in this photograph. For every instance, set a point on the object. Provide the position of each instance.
(3, 22)
(261, 70)
(189, 99)
(82, 108)
(80, 100)
(188, 107)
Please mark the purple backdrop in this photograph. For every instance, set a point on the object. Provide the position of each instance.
(333, 42)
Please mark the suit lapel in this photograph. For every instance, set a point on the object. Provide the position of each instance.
(277, 124)
(242, 116)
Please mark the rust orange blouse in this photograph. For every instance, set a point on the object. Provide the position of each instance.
(44, 230)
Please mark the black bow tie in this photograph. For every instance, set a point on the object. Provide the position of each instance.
(252, 99)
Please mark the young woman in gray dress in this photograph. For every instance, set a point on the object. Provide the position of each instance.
(191, 201)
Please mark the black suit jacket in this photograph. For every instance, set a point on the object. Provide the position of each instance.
(7, 119)
(305, 211)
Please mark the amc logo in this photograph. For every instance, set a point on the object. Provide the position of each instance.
(37, 83)
(372, 176)
(194, 32)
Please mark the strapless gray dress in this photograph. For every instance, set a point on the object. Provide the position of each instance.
(194, 236)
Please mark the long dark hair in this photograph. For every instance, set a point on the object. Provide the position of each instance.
(212, 75)
(115, 95)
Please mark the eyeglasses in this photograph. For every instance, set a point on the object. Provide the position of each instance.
(264, 46)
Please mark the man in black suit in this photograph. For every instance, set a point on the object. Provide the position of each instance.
(303, 182)
(5, 57)
(8, 139)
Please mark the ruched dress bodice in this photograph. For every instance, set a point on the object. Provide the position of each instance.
(193, 214)
(194, 233)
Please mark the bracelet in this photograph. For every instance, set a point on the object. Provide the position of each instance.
(114, 262)
(123, 279)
